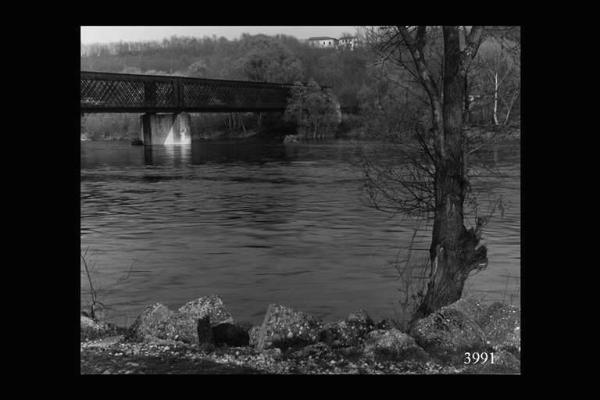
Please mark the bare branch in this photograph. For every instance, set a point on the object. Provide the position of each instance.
(473, 40)
(419, 61)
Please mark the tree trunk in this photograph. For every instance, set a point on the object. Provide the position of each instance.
(453, 251)
(467, 111)
(495, 98)
(510, 106)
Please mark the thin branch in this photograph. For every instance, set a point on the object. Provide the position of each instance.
(420, 63)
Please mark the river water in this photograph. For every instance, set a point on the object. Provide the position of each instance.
(260, 223)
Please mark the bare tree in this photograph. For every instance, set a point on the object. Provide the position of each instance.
(97, 307)
(436, 181)
(495, 75)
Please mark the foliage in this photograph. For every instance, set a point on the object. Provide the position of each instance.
(315, 111)
(389, 102)
(267, 60)
(111, 126)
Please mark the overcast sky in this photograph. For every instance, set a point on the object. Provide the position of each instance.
(104, 34)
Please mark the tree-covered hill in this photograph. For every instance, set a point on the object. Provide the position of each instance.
(382, 94)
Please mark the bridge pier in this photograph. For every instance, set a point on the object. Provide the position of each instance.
(166, 128)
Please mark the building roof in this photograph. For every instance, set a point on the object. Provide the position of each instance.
(321, 38)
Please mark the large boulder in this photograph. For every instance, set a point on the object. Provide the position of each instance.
(448, 333)
(473, 307)
(392, 345)
(501, 325)
(284, 327)
(192, 323)
(349, 332)
(211, 306)
(179, 327)
(150, 324)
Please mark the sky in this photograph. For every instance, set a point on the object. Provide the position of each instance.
(105, 34)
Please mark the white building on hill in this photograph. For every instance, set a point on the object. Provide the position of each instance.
(348, 42)
(323, 41)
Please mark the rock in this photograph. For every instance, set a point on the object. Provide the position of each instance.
(274, 353)
(87, 323)
(254, 334)
(473, 307)
(150, 323)
(334, 334)
(314, 350)
(448, 333)
(91, 329)
(501, 325)
(211, 306)
(231, 335)
(505, 360)
(284, 328)
(349, 332)
(352, 352)
(385, 324)
(158, 324)
(360, 318)
(179, 327)
(105, 342)
(392, 345)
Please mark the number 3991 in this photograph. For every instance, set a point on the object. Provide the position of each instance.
(474, 358)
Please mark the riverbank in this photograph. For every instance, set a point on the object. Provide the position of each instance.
(112, 355)
(162, 341)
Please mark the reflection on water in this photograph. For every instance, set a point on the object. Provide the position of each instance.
(263, 222)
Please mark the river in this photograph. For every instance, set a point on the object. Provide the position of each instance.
(260, 223)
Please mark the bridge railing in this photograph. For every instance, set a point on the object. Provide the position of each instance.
(113, 92)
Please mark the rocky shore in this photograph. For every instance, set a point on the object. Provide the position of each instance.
(202, 337)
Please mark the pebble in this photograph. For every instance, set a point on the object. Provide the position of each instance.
(274, 361)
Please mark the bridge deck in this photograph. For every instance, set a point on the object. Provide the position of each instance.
(121, 93)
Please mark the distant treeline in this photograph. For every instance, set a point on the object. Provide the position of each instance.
(381, 97)
(251, 57)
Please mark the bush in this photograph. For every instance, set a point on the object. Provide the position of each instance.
(315, 111)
